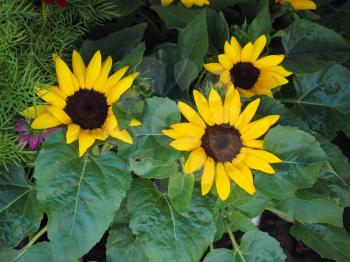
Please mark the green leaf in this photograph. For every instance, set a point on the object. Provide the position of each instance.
(302, 159)
(241, 222)
(191, 48)
(310, 47)
(322, 99)
(329, 241)
(40, 252)
(175, 16)
(255, 246)
(165, 234)
(218, 29)
(20, 214)
(180, 191)
(262, 23)
(126, 7)
(218, 4)
(79, 194)
(311, 211)
(151, 156)
(134, 58)
(116, 44)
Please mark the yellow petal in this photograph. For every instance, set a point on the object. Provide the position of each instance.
(225, 61)
(122, 135)
(243, 180)
(225, 78)
(45, 121)
(259, 127)
(238, 49)
(202, 106)
(114, 79)
(222, 182)
(64, 77)
(195, 161)
(247, 52)
(111, 122)
(267, 156)
(277, 69)
(254, 143)
(275, 79)
(186, 143)
(191, 115)
(214, 68)
(303, 5)
(215, 107)
(51, 97)
(207, 176)
(245, 93)
(72, 134)
(232, 106)
(93, 70)
(232, 53)
(100, 134)
(248, 114)
(188, 129)
(115, 92)
(60, 114)
(34, 111)
(254, 162)
(86, 140)
(166, 2)
(102, 78)
(135, 122)
(78, 68)
(268, 61)
(259, 45)
(262, 91)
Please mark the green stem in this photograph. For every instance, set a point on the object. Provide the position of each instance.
(31, 242)
(232, 238)
(43, 11)
(211, 246)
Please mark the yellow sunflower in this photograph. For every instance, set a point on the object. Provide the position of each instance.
(250, 75)
(83, 100)
(223, 141)
(187, 3)
(299, 4)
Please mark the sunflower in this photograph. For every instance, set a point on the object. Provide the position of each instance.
(187, 3)
(223, 141)
(299, 4)
(83, 100)
(250, 75)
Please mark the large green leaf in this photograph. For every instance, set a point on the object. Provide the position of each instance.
(116, 44)
(218, 4)
(329, 241)
(255, 246)
(262, 23)
(218, 29)
(323, 99)
(310, 46)
(20, 214)
(40, 252)
(79, 194)
(125, 7)
(180, 189)
(165, 234)
(151, 156)
(191, 48)
(302, 159)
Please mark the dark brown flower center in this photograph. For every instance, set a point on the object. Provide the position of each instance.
(244, 75)
(87, 108)
(222, 142)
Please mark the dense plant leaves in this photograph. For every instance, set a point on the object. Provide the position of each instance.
(134, 58)
(218, 4)
(255, 246)
(302, 160)
(262, 23)
(319, 210)
(180, 191)
(20, 214)
(322, 99)
(151, 156)
(165, 234)
(191, 48)
(218, 29)
(329, 241)
(116, 44)
(125, 7)
(79, 194)
(310, 46)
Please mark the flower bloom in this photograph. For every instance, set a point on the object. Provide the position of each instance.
(60, 3)
(299, 4)
(250, 75)
(83, 101)
(223, 141)
(187, 3)
(32, 139)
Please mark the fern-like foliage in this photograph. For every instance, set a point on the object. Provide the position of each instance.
(30, 31)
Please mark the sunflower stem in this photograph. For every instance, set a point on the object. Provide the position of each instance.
(31, 242)
(232, 238)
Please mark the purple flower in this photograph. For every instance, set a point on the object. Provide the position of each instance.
(31, 138)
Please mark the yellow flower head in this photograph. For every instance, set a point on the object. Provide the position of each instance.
(250, 75)
(83, 100)
(223, 141)
(299, 4)
(187, 3)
